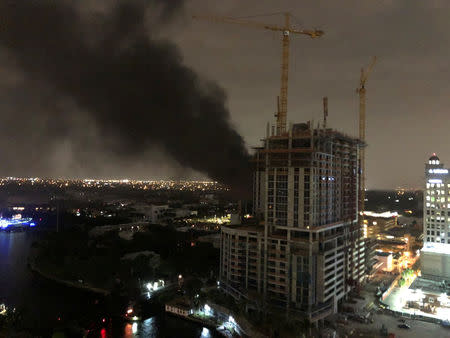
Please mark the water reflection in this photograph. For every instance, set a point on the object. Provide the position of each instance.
(149, 328)
(206, 333)
(43, 302)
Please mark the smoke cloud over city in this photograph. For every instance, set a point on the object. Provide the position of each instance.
(97, 86)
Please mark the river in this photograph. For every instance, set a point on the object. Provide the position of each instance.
(46, 304)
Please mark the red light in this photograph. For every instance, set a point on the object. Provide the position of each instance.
(103, 333)
(59, 318)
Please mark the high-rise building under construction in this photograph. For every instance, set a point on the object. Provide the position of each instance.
(307, 251)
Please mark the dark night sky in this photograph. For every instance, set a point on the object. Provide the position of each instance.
(43, 133)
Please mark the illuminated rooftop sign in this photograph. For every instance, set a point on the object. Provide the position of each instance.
(438, 171)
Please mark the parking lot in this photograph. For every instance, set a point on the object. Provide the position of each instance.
(372, 328)
(418, 329)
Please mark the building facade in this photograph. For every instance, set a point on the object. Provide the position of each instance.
(435, 255)
(377, 223)
(308, 251)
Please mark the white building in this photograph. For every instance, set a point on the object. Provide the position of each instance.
(435, 254)
(153, 213)
(385, 258)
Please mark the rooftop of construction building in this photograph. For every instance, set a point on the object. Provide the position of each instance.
(307, 131)
(245, 227)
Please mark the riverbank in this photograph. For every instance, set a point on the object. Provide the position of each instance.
(32, 266)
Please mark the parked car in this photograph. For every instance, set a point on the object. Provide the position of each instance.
(404, 326)
(401, 320)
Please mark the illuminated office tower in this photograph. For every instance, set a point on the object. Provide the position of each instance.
(435, 256)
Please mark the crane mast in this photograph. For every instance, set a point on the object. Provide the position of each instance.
(286, 30)
(282, 111)
(362, 133)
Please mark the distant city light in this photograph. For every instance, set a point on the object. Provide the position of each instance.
(181, 185)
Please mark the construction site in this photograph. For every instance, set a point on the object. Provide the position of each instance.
(306, 251)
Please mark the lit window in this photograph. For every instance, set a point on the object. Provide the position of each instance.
(443, 199)
(428, 198)
(428, 204)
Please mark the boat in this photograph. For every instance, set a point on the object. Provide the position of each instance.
(132, 313)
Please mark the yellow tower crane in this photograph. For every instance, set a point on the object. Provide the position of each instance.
(287, 29)
(362, 131)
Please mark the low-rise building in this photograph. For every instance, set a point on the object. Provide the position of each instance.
(179, 307)
(386, 259)
(130, 228)
(214, 239)
(377, 223)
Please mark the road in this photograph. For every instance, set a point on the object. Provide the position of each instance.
(418, 329)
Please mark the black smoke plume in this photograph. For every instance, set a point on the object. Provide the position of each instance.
(133, 84)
